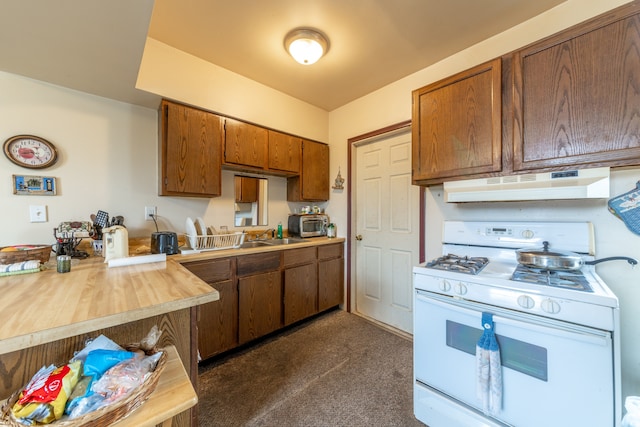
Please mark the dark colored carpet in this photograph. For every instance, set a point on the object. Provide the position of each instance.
(335, 370)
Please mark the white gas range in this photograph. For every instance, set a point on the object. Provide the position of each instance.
(558, 337)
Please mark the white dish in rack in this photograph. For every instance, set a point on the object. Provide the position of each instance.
(191, 233)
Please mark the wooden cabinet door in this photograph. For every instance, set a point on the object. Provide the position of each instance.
(576, 98)
(330, 276)
(245, 144)
(190, 149)
(246, 189)
(330, 283)
(218, 321)
(260, 305)
(313, 182)
(284, 152)
(456, 125)
(300, 292)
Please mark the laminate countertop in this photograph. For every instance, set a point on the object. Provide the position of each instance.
(47, 306)
(43, 307)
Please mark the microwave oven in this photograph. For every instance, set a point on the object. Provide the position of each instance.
(308, 225)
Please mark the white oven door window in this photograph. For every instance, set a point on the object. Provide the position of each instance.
(554, 374)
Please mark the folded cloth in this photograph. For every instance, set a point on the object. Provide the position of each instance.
(19, 266)
(488, 368)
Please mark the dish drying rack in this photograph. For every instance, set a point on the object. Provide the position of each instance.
(213, 242)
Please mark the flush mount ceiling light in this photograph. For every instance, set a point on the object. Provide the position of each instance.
(305, 45)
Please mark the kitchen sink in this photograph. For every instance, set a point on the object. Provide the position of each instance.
(271, 242)
(254, 244)
(285, 241)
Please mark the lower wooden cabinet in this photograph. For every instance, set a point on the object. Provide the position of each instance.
(330, 276)
(259, 305)
(218, 320)
(217, 324)
(300, 293)
(263, 292)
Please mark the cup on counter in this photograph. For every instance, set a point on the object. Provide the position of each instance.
(64, 263)
(97, 247)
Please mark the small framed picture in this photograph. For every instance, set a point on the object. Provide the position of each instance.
(34, 185)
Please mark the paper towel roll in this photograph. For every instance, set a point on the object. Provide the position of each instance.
(132, 260)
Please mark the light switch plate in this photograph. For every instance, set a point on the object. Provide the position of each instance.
(38, 213)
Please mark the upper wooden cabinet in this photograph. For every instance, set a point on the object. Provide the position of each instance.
(246, 189)
(196, 144)
(284, 152)
(313, 182)
(569, 100)
(577, 96)
(457, 125)
(189, 151)
(245, 144)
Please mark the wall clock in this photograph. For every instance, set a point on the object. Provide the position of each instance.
(30, 151)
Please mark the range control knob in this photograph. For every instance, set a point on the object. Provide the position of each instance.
(550, 306)
(527, 234)
(526, 301)
(444, 285)
(460, 288)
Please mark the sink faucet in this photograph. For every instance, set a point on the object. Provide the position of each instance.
(263, 235)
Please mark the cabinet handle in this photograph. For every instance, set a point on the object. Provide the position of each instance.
(358, 237)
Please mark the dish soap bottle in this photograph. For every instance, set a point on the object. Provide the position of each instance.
(280, 230)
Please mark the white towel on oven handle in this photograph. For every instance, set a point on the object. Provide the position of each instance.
(488, 368)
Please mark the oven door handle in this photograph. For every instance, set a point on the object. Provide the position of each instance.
(516, 319)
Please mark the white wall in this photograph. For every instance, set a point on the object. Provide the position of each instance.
(107, 161)
(392, 104)
(174, 74)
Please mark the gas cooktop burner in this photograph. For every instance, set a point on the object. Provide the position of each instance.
(561, 279)
(468, 265)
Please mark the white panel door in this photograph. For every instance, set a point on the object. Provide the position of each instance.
(387, 222)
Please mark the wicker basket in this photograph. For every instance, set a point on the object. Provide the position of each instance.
(25, 253)
(104, 416)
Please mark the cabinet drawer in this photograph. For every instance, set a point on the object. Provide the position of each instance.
(258, 263)
(330, 251)
(215, 270)
(299, 256)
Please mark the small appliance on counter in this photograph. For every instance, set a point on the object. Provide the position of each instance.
(312, 225)
(164, 242)
(115, 242)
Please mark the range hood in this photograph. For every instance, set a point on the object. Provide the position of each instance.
(571, 184)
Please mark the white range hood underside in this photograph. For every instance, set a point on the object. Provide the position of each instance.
(573, 184)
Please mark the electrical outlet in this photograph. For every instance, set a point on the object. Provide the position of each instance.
(150, 212)
(37, 213)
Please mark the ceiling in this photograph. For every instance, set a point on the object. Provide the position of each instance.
(96, 46)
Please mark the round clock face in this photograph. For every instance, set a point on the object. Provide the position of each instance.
(30, 151)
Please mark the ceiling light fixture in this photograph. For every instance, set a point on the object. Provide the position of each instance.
(305, 45)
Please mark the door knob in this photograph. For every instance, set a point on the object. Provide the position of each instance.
(358, 236)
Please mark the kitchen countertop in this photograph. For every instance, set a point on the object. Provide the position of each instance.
(43, 307)
(212, 254)
(47, 306)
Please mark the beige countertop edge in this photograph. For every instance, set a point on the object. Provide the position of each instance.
(20, 342)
